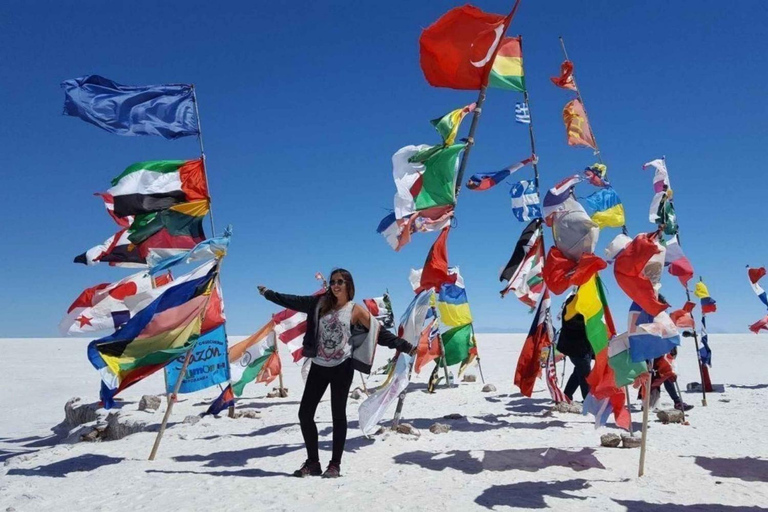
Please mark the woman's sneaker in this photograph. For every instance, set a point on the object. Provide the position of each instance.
(333, 471)
(682, 406)
(309, 468)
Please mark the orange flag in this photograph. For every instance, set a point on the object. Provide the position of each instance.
(565, 80)
(577, 125)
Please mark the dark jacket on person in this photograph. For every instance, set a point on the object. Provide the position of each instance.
(310, 305)
(573, 341)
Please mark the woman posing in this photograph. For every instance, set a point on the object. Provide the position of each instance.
(335, 355)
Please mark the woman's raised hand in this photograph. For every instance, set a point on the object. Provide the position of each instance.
(262, 289)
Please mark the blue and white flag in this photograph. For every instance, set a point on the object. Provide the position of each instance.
(525, 201)
(522, 115)
(207, 249)
(164, 110)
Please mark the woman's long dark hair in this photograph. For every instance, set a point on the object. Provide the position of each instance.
(328, 301)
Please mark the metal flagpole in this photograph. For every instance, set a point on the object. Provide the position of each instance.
(688, 298)
(581, 100)
(202, 156)
(182, 372)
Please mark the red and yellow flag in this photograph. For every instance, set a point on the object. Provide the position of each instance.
(577, 125)
(565, 80)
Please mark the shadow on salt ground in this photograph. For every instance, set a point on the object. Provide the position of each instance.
(753, 386)
(239, 458)
(529, 459)
(266, 404)
(747, 468)
(60, 469)
(247, 473)
(529, 494)
(492, 423)
(642, 506)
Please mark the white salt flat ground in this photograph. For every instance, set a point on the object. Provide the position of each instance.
(507, 454)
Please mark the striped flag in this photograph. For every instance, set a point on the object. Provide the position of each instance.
(522, 114)
(551, 371)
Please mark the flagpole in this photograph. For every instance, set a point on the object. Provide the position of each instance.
(202, 156)
(581, 100)
(182, 372)
(470, 138)
(644, 438)
(688, 298)
(530, 124)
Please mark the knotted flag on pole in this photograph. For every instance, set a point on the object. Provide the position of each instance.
(577, 125)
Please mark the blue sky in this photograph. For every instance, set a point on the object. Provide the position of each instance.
(303, 104)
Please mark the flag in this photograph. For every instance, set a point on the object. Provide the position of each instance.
(452, 304)
(708, 304)
(682, 317)
(457, 342)
(540, 335)
(435, 272)
(527, 282)
(608, 212)
(208, 249)
(457, 50)
(755, 274)
(601, 409)
(507, 69)
(590, 303)
(290, 327)
(649, 336)
(556, 199)
(605, 394)
(428, 348)
(406, 172)
(142, 298)
(116, 250)
(525, 201)
(705, 353)
(373, 408)
(551, 372)
(628, 270)
(486, 180)
(523, 271)
(560, 272)
(224, 401)
(165, 329)
(179, 227)
(397, 232)
(624, 369)
(102, 306)
(164, 110)
(109, 204)
(412, 322)
(260, 362)
(156, 185)
(577, 125)
(661, 187)
(759, 325)
(436, 185)
(522, 113)
(448, 125)
(208, 365)
(565, 80)
(676, 262)
(381, 309)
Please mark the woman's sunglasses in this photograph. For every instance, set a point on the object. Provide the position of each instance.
(337, 282)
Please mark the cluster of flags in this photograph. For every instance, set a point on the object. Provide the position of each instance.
(159, 207)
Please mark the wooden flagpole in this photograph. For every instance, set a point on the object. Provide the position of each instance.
(646, 407)
(182, 372)
(282, 392)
